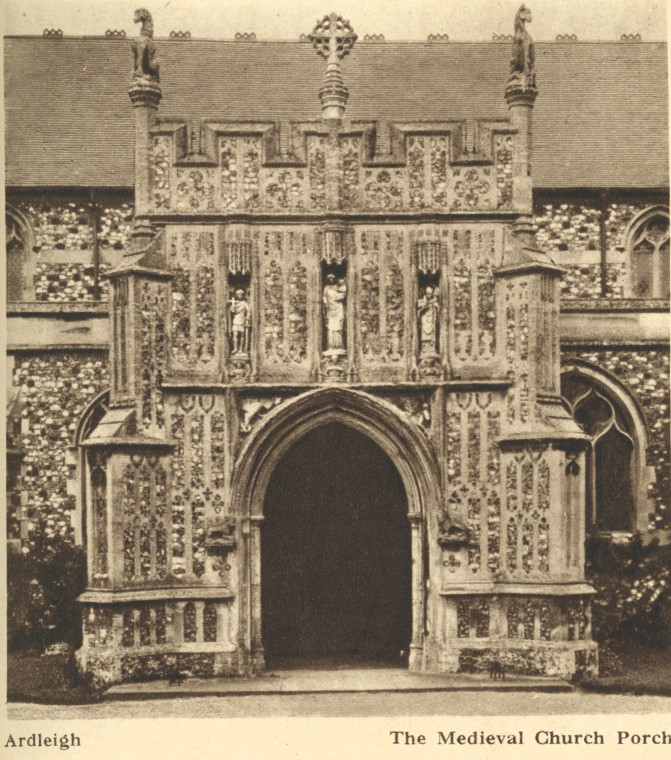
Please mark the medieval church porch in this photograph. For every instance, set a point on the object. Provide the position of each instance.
(344, 412)
(337, 436)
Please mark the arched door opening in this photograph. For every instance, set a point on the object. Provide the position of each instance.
(335, 555)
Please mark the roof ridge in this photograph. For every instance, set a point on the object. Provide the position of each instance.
(423, 41)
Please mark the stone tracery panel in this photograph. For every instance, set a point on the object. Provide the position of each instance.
(98, 468)
(284, 274)
(517, 349)
(472, 308)
(473, 467)
(369, 295)
(526, 511)
(191, 259)
(200, 428)
(153, 306)
(144, 484)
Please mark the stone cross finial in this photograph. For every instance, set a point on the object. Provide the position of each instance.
(333, 38)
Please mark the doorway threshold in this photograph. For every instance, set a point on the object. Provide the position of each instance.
(310, 681)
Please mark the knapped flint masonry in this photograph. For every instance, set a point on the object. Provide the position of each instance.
(380, 276)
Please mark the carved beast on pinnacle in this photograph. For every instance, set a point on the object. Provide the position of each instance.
(144, 48)
(523, 58)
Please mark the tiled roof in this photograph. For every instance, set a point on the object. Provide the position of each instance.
(600, 119)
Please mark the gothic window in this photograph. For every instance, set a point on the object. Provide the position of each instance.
(648, 248)
(19, 255)
(612, 477)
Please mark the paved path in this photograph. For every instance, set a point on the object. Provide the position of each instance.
(364, 704)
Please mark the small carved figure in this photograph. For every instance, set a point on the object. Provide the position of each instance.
(334, 312)
(175, 676)
(144, 48)
(522, 61)
(241, 323)
(496, 670)
(428, 310)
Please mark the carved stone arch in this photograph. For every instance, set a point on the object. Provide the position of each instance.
(20, 258)
(90, 417)
(621, 399)
(88, 420)
(407, 448)
(637, 236)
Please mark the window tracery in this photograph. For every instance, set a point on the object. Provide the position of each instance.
(18, 248)
(648, 248)
(611, 462)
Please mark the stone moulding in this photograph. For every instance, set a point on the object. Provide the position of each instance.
(185, 592)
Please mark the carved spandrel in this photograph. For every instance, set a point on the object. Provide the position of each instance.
(252, 411)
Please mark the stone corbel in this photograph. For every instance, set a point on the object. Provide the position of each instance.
(220, 538)
(455, 537)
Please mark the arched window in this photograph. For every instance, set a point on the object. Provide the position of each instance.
(647, 242)
(617, 475)
(91, 416)
(18, 247)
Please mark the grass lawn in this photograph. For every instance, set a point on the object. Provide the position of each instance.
(643, 671)
(48, 679)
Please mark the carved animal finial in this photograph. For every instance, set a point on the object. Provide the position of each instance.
(522, 61)
(144, 48)
(522, 79)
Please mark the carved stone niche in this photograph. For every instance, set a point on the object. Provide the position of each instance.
(239, 309)
(429, 257)
(334, 244)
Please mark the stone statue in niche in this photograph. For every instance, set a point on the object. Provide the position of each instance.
(240, 323)
(334, 296)
(523, 57)
(428, 308)
(144, 48)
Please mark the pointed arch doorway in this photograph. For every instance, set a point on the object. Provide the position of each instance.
(336, 561)
(403, 442)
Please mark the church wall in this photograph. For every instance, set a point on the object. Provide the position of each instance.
(62, 253)
(569, 227)
(572, 229)
(54, 388)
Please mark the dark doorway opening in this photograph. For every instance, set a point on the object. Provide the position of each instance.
(335, 555)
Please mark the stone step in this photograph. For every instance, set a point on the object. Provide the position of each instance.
(342, 680)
